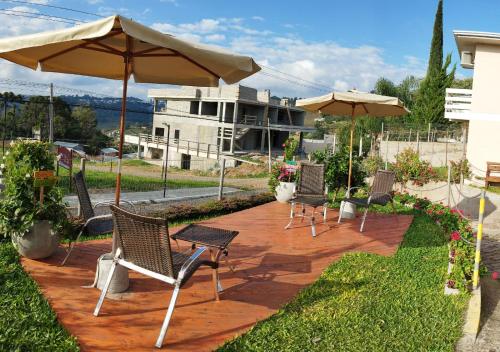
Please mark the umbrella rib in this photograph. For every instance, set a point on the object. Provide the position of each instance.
(109, 35)
(196, 63)
(146, 51)
(110, 48)
(327, 104)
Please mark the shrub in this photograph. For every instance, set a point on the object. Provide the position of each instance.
(19, 210)
(459, 168)
(337, 168)
(372, 164)
(290, 145)
(409, 167)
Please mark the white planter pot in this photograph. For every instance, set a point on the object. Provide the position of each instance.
(348, 210)
(40, 242)
(284, 191)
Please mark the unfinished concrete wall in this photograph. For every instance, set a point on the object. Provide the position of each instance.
(437, 153)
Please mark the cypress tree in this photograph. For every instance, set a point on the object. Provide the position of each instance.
(436, 53)
(429, 105)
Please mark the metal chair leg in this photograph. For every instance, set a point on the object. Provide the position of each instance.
(363, 221)
(105, 288)
(166, 322)
(71, 246)
(303, 213)
(324, 213)
(292, 215)
(340, 211)
(313, 225)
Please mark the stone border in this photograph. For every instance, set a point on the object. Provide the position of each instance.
(472, 317)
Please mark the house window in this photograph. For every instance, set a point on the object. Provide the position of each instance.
(160, 105)
(159, 132)
(177, 134)
(194, 107)
(209, 108)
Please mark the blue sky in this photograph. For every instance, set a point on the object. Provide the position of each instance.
(330, 44)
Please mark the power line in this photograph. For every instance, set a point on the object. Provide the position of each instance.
(37, 17)
(296, 77)
(53, 6)
(40, 14)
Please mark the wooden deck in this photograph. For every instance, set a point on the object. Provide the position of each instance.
(272, 265)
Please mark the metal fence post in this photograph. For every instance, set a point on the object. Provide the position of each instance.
(221, 179)
(449, 184)
(83, 162)
(387, 151)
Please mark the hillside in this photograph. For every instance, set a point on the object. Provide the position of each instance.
(139, 112)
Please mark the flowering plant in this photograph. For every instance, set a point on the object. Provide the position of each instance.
(290, 146)
(282, 173)
(409, 167)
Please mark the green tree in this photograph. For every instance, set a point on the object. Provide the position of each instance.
(35, 114)
(430, 99)
(465, 83)
(436, 52)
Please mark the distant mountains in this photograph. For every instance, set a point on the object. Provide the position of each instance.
(139, 112)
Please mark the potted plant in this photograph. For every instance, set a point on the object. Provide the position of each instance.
(290, 149)
(282, 181)
(34, 218)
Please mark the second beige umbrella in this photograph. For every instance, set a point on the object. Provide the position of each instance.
(354, 103)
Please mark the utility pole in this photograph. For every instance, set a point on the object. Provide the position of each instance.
(51, 114)
(4, 123)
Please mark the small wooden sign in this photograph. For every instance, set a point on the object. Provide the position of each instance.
(65, 157)
(44, 178)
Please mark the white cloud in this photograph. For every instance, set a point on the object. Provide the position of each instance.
(173, 2)
(215, 37)
(93, 2)
(258, 18)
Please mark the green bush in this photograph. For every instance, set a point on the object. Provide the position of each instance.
(20, 208)
(409, 167)
(290, 145)
(337, 168)
(372, 164)
(459, 168)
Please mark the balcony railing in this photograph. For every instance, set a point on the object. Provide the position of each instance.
(458, 104)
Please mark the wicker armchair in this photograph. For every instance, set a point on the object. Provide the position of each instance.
(144, 246)
(94, 224)
(310, 192)
(380, 193)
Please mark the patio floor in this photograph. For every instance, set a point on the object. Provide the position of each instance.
(272, 265)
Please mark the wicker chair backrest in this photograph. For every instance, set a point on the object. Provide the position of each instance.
(312, 179)
(83, 196)
(144, 241)
(382, 185)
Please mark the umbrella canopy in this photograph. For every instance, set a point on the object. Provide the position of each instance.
(118, 48)
(99, 48)
(354, 103)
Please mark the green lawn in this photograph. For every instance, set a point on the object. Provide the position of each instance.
(107, 180)
(367, 302)
(27, 323)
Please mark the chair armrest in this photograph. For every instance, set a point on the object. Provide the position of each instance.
(190, 261)
(110, 202)
(348, 192)
(98, 217)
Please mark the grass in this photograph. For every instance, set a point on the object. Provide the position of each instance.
(27, 323)
(367, 302)
(107, 180)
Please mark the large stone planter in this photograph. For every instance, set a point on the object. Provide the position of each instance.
(120, 281)
(348, 210)
(40, 242)
(284, 191)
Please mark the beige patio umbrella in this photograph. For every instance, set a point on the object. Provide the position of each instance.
(354, 103)
(117, 48)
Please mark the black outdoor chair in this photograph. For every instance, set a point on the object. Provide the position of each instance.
(94, 224)
(310, 192)
(144, 246)
(380, 193)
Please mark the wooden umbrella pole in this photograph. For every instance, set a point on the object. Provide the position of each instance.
(350, 151)
(122, 129)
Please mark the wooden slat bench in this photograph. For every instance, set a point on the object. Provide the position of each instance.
(492, 167)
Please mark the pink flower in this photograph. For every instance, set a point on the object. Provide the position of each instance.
(451, 283)
(455, 236)
(494, 275)
(474, 234)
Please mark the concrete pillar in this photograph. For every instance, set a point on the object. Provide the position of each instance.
(139, 147)
(199, 107)
(263, 141)
(235, 118)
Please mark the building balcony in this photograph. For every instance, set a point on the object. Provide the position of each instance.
(458, 104)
